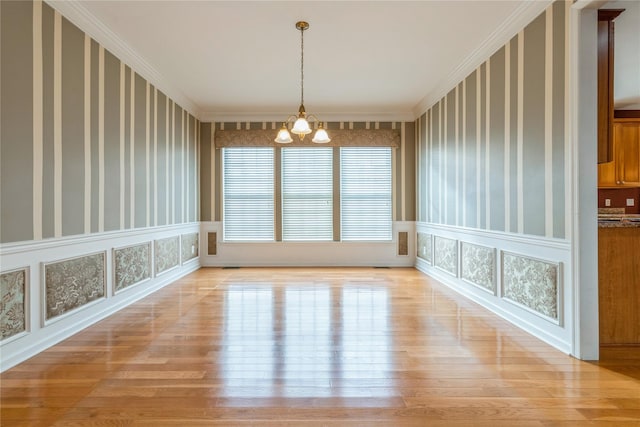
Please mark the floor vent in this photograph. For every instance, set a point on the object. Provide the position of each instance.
(230, 268)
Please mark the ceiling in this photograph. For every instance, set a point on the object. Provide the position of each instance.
(363, 59)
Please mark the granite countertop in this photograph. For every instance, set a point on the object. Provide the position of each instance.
(610, 220)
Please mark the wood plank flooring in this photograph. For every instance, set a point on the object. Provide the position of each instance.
(313, 347)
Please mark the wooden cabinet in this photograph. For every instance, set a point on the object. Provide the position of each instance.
(605, 82)
(624, 170)
(619, 285)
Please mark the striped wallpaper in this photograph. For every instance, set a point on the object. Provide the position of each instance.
(87, 144)
(493, 154)
(404, 164)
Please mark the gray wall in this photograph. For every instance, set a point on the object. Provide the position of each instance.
(87, 145)
(492, 151)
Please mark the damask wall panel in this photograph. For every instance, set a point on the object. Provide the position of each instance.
(478, 265)
(13, 302)
(425, 247)
(532, 284)
(446, 254)
(189, 246)
(73, 283)
(132, 265)
(167, 254)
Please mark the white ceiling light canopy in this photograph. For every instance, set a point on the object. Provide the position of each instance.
(301, 122)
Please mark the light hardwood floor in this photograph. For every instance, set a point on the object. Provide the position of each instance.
(314, 347)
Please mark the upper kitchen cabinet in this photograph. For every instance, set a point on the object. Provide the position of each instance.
(606, 35)
(624, 170)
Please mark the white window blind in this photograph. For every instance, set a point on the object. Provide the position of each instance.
(365, 193)
(307, 193)
(247, 193)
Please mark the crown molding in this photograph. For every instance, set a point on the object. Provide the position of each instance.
(520, 18)
(278, 118)
(77, 14)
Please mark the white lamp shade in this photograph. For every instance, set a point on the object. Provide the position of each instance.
(321, 137)
(301, 127)
(283, 136)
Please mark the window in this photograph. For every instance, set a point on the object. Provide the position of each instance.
(307, 193)
(365, 193)
(247, 189)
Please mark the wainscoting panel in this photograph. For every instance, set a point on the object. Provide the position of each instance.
(478, 265)
(528, 287)
(167, 254)
(190, 247)
(531, 283)
(54, 288)
(446, 254)
(73, 283)
(132, 265)
(425, 247)
(13, 303)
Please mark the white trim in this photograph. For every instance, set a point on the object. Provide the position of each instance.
(172, 205)
(523, 15)
(100, 139)
(457, 154)
(122, 144)
(487, 145)
(8, 249)
(182, 167)
(550, 243)
(87, 134)
(38, 155)
(132, 151)
(478, 143)
(443, 154)
(57, 125)
(464, 152)
(75, 12)
(155, 157)
(583, 180)
(187, 171)
(507, 137)
(147, 158)
(429, 171)
(520, 135)
(167, 174)
(548, 122)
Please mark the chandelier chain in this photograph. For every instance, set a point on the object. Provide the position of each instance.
(302, 66)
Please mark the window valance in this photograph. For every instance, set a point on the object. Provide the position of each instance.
(339, 138)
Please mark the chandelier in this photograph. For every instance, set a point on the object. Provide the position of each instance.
(301, 121)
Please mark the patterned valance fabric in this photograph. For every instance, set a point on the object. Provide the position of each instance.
(339, 138)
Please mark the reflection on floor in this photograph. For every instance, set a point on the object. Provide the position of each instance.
(313, 347)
